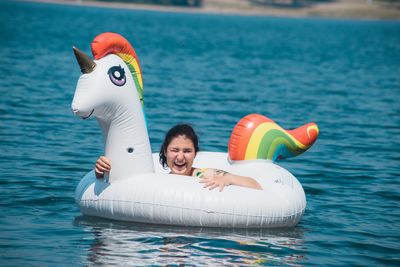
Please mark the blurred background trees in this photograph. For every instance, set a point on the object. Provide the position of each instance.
(189, 3)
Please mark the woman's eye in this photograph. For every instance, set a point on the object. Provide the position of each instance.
(117, 75)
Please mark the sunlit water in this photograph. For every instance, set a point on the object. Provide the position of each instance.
(209, 71)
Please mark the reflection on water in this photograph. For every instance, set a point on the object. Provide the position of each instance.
(134, 244)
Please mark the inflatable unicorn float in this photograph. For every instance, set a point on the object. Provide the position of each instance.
(138, 189)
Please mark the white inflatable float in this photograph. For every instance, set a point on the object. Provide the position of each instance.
(138, 189)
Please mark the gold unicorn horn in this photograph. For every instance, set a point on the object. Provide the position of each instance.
(85, 62)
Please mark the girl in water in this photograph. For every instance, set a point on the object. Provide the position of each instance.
(177, 152)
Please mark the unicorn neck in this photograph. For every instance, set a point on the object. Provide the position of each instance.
(126, 141)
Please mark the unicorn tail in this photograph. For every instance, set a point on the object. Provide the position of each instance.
(258, 137)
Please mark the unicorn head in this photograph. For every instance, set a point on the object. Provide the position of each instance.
(113, 76)
(111, 89)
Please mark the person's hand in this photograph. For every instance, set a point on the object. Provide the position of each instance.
(212, 178)
(103, 164)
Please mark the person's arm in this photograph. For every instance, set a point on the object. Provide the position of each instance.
(213, 178)
(103, 164)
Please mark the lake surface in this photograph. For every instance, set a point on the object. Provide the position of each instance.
(209, 71)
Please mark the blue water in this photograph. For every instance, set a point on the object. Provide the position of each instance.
(209, 71)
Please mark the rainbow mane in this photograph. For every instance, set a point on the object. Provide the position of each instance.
(113, 43)
(258, 137)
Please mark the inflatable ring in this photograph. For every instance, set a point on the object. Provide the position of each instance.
(138, 189)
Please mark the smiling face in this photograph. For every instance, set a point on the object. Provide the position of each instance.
(180, 155)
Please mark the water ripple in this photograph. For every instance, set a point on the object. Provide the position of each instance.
(208, 71)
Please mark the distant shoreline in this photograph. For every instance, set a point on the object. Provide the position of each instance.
(340, 9)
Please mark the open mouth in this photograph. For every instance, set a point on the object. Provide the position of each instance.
(180, 165)
(87, 117)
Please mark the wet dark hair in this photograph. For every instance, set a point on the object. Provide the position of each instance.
(177, 130)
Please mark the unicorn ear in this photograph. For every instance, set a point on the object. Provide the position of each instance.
(85, 62)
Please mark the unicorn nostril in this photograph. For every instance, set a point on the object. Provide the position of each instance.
(75, 110)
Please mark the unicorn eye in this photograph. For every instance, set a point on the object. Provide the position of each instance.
(117, 75)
